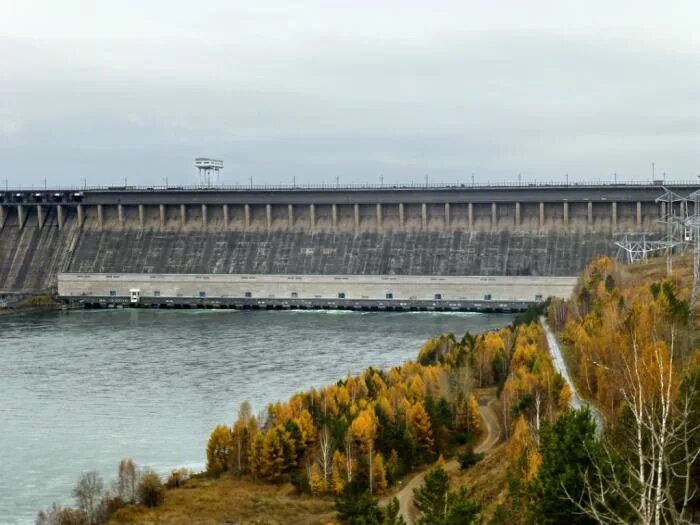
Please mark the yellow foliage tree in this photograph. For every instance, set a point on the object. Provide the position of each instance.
(317, 484)
(274, 454)
(306, 427)
(379, 481)
(255, 454)
(419, 422)
(339, 472)
(219, 449)
(364, 431)
(475, 424)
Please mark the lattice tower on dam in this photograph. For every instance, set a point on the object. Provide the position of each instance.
(370, 232)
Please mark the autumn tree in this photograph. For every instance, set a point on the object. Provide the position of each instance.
(379, 481)
(276, 453)
(255, 454)
(649, 473)
(341, 475)
(324, 456)
(127, 480)
(469, 416)
(243, 430)
(150, 490)
(88, 492)
(219, 450)
(419, 422)
(364, 431)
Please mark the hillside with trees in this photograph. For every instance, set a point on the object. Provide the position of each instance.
(387, 447)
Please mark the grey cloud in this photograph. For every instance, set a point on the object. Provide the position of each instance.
(492, 102)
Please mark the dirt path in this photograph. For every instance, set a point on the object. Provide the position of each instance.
(493, 435)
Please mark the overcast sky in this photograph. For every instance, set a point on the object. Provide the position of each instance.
(351, 89)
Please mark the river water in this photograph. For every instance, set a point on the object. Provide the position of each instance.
(80, 390)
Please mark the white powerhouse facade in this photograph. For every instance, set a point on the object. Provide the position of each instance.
(319, 287)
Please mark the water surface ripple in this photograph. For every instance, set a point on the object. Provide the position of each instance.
(80, 390)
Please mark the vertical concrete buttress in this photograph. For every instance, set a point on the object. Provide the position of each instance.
(447, 215)
(20, 216)
(589, 218)
(142, 218)
(424, 216)
(100, 217)
(613, 218)
(2, 215)
(120, 215)
(312, 216)
(268, 216)
(541, 214)
(290, 216)
(639, 214)
(225, 212)
(379, 217)
(517, 214)
(663, 210)
(357, 218)
(40, 215)
(566, 214)
(246, 216)
(59, 216)
(494, 216)
(81, 216)
(334, 216)
(204, 215)
(183, 215)
(161, 210)
(470, 216)
(402, 220)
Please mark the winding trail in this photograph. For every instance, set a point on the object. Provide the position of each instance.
(493, 436)
(560, 365)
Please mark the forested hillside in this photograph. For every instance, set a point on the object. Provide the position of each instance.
(478, 429)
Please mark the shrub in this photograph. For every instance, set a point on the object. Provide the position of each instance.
(177, 477)
(469, 458)
(151, 491)
(59, 516)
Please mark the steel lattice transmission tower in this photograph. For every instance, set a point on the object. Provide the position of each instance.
(674, 217)
(692, 233)
(637, 247)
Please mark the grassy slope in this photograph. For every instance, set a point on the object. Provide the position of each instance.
(229, 500)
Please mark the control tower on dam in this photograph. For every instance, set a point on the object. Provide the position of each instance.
(84, 242)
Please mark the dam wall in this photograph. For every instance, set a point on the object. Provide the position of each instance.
(430, 231)
(32, 256)
(420, 253)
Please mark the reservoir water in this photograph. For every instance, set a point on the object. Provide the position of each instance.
(80, 390)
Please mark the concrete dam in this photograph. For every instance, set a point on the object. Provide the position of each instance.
(437, 247)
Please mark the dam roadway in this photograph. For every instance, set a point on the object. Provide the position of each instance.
(67, 240)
